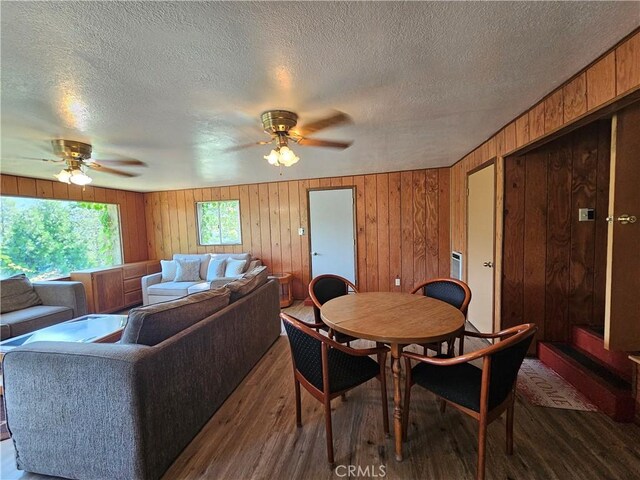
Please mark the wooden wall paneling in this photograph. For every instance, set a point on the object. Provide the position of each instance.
(181, 226)
(254, 211)
(61, 191)
(166, 226)
(149, 227)
(553, 111)
(172, 200)
(9, 185)
(125, 226)
(558, 243)
(192, 227)
(234, 194)
(336, 182)
(574, 94)
(628, 64)
(395, 232)
(498, 242)
(513, 243)
(265, 230)
(141, 226)
(274, 221)
(601, 226)
(432, 227)
(285, 225)
(535, 238)
(44, 188)
(382, 196)
(27, 187)
(75, 192)
(197, 198)
(100, 195)
(325, 182)
(296, 239)
(303, 188)
(522, 130)
(601, 81)
(347, 181)
(88, 195)
(583, 195)
(444, 249)
(361, 234)
(371, 231)
(509, 140)
(536, 121)
(245, 219)
(419, 225)
(490, 149)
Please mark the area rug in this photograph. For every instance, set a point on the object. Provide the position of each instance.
(541, 386)
(4, 432)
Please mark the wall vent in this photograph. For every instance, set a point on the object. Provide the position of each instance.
(456, 265)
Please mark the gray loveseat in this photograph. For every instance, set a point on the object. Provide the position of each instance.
(126, 411)
(61, 301)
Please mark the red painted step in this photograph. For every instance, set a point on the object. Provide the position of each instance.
(592, 341)
(609, 392)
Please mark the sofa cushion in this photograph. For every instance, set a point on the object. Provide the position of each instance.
(248, 283)
(234, 256)
(188, 270)
(216, 268)
(168, 270)
(204, 261)
(199, 287)
(17, 293)
(234, 267)
(171, 288)
(29, 319)
(152, 324)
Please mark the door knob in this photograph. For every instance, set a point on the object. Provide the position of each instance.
(623, 219)
(315, 254)
(488, 264)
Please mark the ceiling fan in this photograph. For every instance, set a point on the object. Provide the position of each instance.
(77, 158)
(281, 125)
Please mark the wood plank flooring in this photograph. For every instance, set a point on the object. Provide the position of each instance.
(253, 436)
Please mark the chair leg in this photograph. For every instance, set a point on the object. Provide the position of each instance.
(407, 400)
(298, 405)
(510, 412)
(382, 360)
(482, 444)
(461, 345)
(329, 432)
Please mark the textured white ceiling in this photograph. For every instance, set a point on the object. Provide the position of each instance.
(176, 83)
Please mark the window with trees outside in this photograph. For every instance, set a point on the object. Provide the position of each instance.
(47, 239)
(219, 222)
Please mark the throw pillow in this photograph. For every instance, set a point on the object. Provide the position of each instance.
(234, 267)
(17, 293)
(248, 283)
(168, 270)
(188, 270)
(216, 268)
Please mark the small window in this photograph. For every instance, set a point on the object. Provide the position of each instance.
(219, 222)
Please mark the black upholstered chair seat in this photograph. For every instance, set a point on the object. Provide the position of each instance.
(458, 383)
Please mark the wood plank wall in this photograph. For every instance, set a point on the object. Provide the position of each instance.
(132, 211)
(553, 265)
(402, 225)
(612, 76)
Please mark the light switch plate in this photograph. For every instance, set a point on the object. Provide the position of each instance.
(586, 214)
(301, 231)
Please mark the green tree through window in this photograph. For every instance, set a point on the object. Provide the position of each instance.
(50, 238)
(219, 222)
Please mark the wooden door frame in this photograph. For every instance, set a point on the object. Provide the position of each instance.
(354, 194)
(492, 161)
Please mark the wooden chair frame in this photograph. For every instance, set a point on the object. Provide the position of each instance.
(485, 416)
(317, 304)
(463, 308)
(326, 397)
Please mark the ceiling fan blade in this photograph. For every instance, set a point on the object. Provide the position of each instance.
(49, 160)
(101, 168)
(316, 142)
(336, 119)
(122, 163)
(246, 145)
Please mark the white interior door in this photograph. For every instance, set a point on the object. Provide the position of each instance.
(480, 241)
(331, 221)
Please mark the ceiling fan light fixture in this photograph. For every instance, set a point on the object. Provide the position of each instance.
(78, 177)
(63, 176)
(272, 158)
(287, 157)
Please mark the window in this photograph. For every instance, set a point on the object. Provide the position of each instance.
(219, 222)
(47, 239)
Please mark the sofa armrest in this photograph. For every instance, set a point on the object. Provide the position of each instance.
(255, 262)
(63, 294)
(67, 402)
(146, 282)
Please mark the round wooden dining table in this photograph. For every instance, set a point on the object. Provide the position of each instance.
(397, 319)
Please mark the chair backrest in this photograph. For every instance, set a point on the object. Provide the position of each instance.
(505, 362)
(306, 351)
(326, 287)
(450, 290)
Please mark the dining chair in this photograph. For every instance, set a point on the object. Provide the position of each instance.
(324, 288)
(327, 369)
(483, 393)
(455, 293)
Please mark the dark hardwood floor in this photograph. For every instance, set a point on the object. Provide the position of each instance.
(253, 435)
